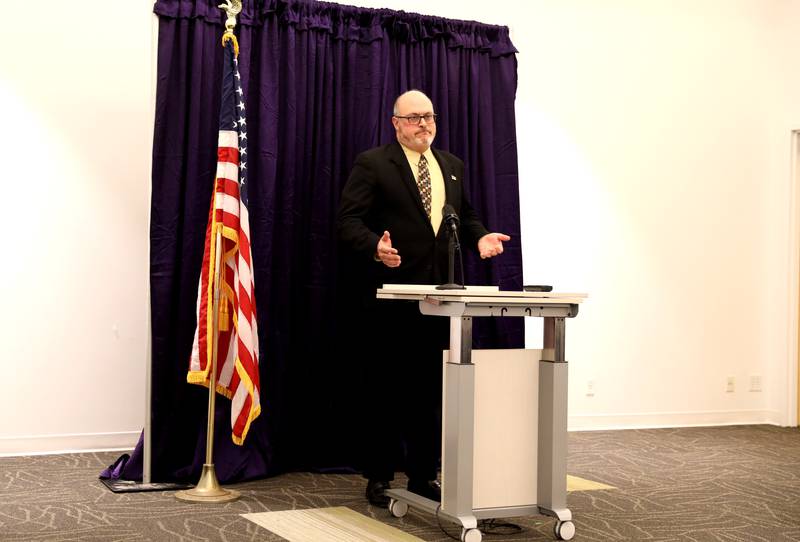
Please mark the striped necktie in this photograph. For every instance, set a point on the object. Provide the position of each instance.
(424, 184)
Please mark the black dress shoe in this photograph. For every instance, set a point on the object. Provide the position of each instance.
(430, 489)
(375, 493)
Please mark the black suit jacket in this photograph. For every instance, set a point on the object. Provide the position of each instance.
(381, 194)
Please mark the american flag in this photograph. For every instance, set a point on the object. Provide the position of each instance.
(237, 356)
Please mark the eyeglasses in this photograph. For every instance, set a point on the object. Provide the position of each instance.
(417, 119)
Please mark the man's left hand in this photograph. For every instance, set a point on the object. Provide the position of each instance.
(491, 244)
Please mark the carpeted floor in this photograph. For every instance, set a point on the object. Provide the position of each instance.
(693, 484)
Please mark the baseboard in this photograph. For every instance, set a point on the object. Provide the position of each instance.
(73, 443)
(655, 420)
(126, 440)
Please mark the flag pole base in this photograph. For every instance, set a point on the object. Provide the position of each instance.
(208, 489)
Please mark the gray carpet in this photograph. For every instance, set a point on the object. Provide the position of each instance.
(694, 484)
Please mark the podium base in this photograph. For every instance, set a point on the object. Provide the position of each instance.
(208, 489)
(450, 286)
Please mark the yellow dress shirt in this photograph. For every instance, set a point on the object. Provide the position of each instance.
(437, 182)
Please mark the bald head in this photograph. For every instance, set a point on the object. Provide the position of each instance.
(419, 135)
(410, 96)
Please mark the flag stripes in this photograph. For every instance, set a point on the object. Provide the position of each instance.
(229, 229)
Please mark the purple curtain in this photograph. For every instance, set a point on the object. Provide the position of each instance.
(319, 80)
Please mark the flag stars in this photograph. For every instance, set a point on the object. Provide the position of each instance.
(243, 135)
(242, 150)
(239, 91)
(241, 105)
(242, 122)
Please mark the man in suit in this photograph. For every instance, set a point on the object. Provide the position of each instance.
(389, 217)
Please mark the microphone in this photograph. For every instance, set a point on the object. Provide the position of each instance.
(450, 217)
(451, 223)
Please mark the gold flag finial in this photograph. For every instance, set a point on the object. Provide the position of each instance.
(232, 9)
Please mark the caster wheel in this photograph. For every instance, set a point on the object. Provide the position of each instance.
(398, 508)
(564, 530)
(471, 535)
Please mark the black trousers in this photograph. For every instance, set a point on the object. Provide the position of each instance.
(404, 383)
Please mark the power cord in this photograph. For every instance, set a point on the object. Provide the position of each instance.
(492, 526)
(489, 527)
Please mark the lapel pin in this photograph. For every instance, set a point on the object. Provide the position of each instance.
(453, 177)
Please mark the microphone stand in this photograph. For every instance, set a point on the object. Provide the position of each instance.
(453, 245)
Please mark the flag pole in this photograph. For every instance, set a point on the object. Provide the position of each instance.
(208, 489)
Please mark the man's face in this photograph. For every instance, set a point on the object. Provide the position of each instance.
(417, 137)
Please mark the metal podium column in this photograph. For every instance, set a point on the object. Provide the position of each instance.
(459, 429)
(552, 470)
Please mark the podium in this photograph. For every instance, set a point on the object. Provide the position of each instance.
(544, 484)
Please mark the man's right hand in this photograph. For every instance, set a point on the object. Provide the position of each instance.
(385, 253)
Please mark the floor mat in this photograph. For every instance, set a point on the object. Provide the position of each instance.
(581, 484)
(337, 524)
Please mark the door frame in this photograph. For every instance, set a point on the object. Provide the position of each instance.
(793, 365)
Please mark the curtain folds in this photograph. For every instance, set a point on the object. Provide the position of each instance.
(319, 81)
(351, 23)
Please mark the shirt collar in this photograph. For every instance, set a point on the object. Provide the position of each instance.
(413, 156)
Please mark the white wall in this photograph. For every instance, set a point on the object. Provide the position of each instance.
(75, 99)
(661, 133)
(654, 166)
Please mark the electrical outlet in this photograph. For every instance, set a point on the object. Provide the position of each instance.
(590, 388)
(731, 385)
(755, 382)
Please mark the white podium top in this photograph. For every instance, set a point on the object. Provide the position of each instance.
(475, 294)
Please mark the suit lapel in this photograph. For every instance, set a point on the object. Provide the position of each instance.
(398, 157)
